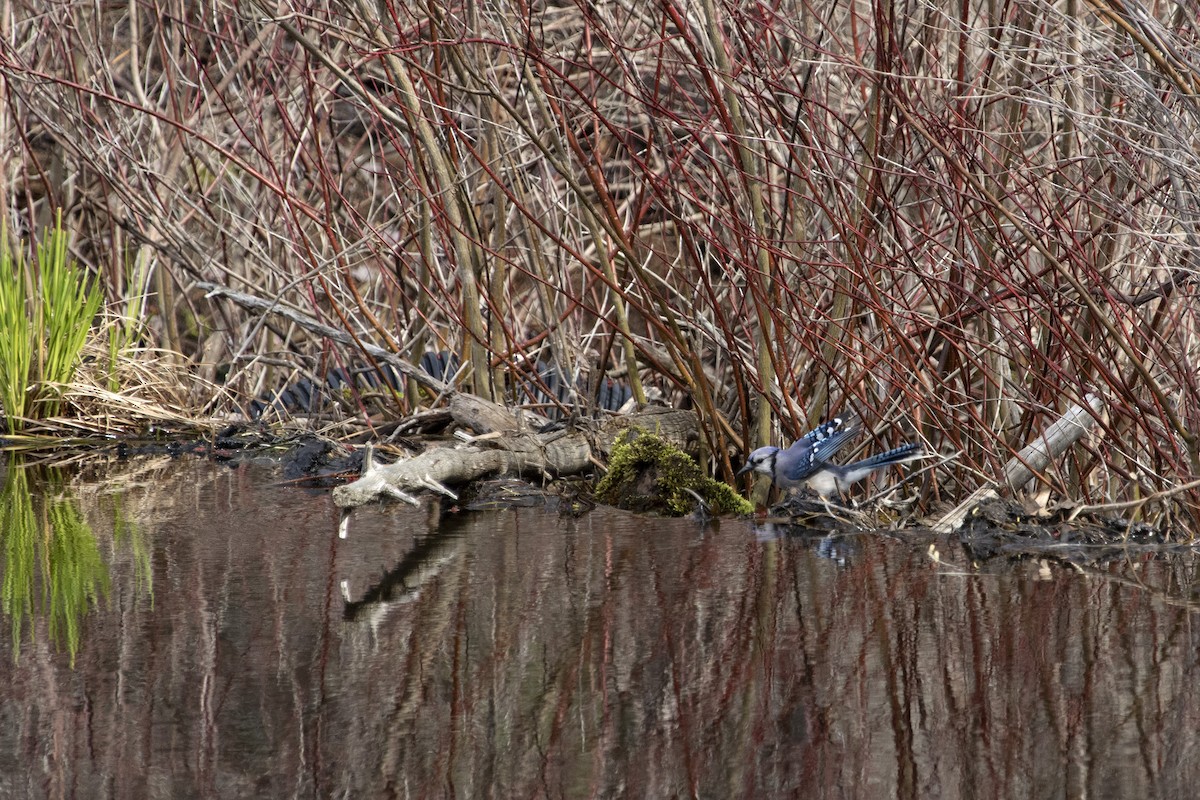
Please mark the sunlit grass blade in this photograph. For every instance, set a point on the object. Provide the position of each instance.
(42, 331)
(68, 307)
(15, 339)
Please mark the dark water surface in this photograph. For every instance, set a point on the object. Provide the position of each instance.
(241, 649)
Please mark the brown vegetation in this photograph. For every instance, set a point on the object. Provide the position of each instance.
(959, 219)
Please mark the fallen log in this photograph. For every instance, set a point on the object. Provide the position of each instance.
(503, 446)
(1035, 457)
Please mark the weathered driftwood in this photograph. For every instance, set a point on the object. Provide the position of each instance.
(1035, 457)
(504, 448)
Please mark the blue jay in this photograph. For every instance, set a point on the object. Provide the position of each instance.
(806, 461)
(789, 468)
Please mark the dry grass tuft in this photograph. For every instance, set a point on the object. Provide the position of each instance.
(156, 395)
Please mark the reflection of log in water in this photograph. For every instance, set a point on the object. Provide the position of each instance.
(420, 565)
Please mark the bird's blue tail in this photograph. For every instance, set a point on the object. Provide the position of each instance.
(897, 455)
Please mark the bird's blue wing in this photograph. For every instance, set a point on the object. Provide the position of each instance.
(817, 446)
(831, 436)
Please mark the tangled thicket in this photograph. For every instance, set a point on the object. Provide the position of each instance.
(957, 218)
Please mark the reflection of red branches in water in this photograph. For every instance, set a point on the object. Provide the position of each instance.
(525, 654)
(602, 658)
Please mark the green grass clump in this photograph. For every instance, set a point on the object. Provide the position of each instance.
(46, 311)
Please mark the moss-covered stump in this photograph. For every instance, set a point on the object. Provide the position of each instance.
(647, 475)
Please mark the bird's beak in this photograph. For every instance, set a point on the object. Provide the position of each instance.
(743, 470)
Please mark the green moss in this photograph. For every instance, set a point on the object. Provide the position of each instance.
(648, 475)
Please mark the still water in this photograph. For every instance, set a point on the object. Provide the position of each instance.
(231, 645)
